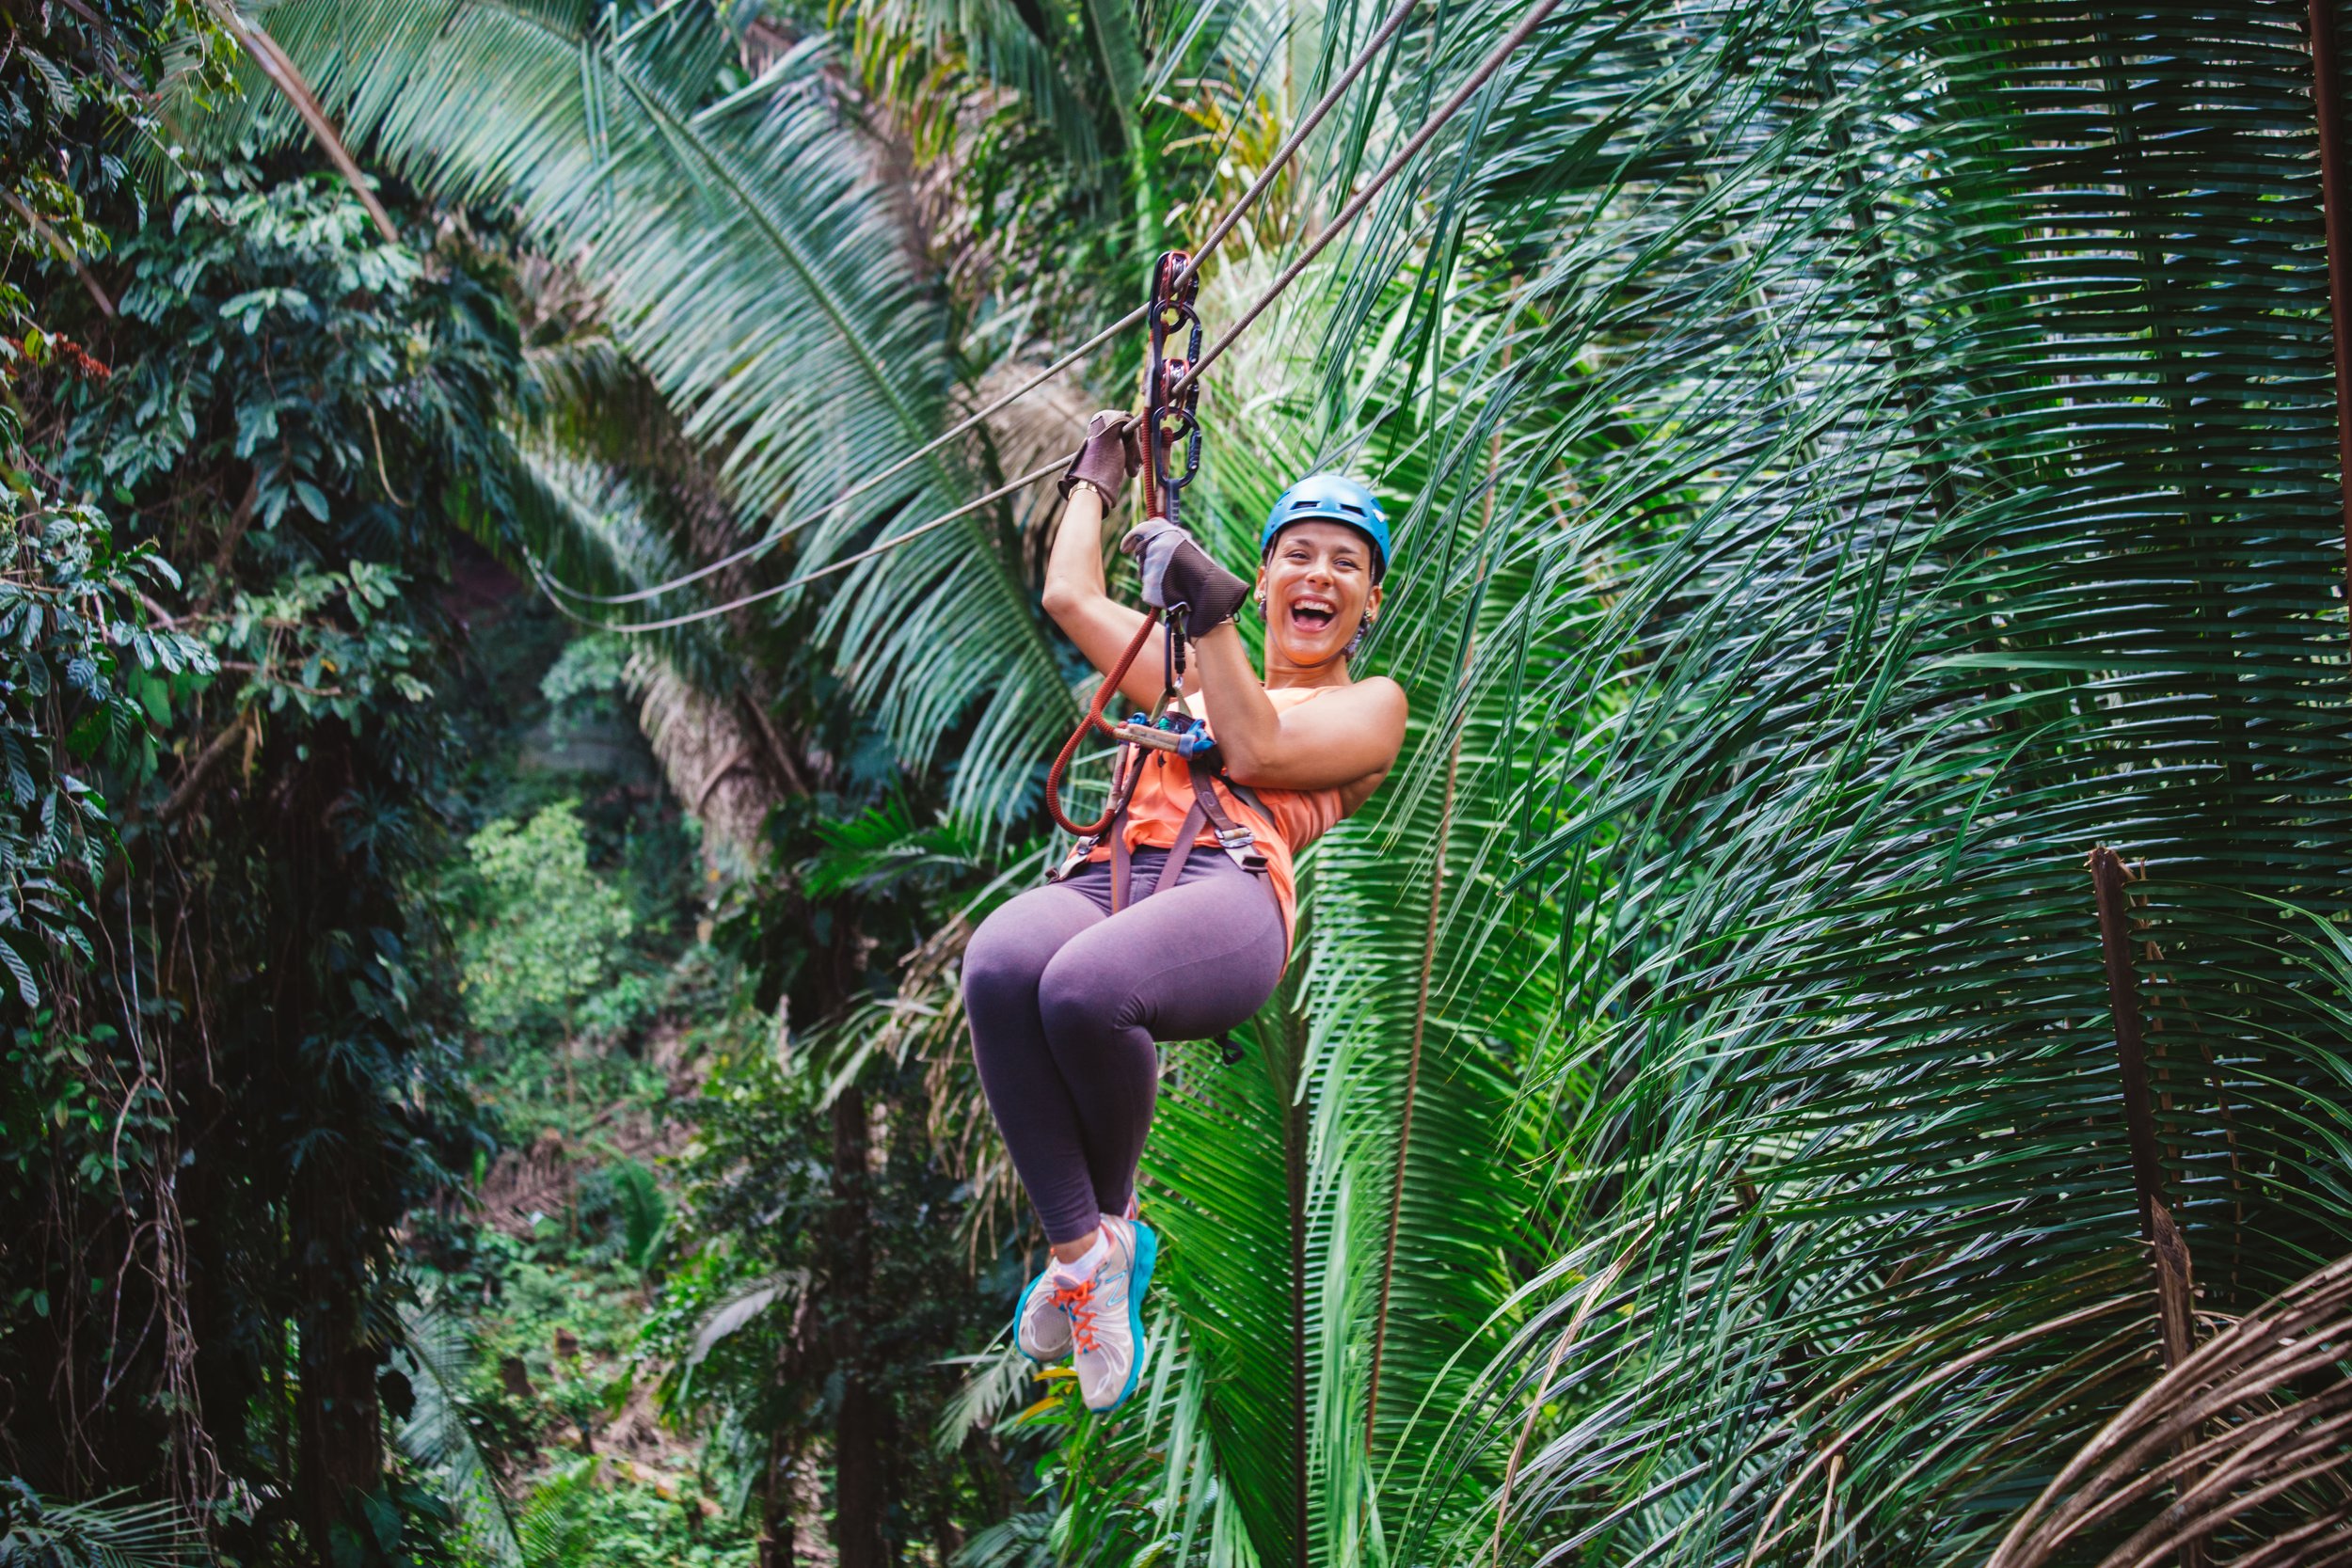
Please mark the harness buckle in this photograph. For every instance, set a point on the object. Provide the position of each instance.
(1241, 844)
(1079, 850)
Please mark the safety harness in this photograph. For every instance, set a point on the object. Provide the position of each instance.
(1172, 431)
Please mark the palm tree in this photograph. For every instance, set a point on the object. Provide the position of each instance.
(1972, 507)
(1853, 461)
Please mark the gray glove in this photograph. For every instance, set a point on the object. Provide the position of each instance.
(1177, 571)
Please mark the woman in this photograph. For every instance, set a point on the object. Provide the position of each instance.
(1067, 997)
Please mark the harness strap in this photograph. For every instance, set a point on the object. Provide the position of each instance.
(1119, 872)
(1247, 795)
(1238, 841)
(1174, 866)
(1239, 844)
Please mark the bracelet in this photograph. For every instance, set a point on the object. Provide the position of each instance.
(1107, 499)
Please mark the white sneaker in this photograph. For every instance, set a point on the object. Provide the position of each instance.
(1105, 1312)
(1039, 1325)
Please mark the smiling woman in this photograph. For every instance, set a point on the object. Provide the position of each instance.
(1070, 987)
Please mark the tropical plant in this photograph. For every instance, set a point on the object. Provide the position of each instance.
(1938, 551)
(86, 681)
(220, 1124)
(1851, 462)
(755, 268)
(40, 1532)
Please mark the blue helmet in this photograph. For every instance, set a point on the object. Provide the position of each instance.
(1330, 497)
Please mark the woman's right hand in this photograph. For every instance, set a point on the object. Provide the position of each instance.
(1107, 459)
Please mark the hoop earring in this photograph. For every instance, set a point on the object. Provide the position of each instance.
(1363, 629)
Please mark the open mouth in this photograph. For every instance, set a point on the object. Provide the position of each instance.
(1312, 615)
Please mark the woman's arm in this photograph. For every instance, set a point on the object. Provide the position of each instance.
(1077, 597)
(1342, 738)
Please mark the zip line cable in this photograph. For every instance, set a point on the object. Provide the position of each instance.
(1339, 223)
(1347, 214)
(770, 541)
(1249, 199)
(880, 547)
(1264, 183)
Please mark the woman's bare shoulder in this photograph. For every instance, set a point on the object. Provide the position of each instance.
(1374, 692)
(1374, 699)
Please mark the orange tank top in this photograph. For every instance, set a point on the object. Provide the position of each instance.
(1163, 798)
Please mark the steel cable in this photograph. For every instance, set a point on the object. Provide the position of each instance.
(879, 547)
(1487, 68)
(1249, 199)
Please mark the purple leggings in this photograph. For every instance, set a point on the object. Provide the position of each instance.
(1066, 1000)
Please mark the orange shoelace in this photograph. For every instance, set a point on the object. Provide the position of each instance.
(1078, 1300)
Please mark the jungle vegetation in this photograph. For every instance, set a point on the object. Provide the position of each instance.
(1828, 1049)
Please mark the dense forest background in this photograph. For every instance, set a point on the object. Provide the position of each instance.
(1829, 1047)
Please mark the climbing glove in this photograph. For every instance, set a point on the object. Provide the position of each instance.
(1109, 458)
(1177, 571)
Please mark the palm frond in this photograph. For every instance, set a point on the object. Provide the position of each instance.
(102, 1532)
(757, 268)
(2256, 1412)
(433, 1436)
(1853, 347)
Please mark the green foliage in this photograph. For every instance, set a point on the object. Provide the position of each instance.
(1849, 460)
(760, 1239)
(643, 1211)
(109, 1532)
(397, 1524)
(321, 642)
(81, 661)
(756, 271)
(546, 930)
(84, 684)
(216, 1131)
(578, 1518)
(446, 1433)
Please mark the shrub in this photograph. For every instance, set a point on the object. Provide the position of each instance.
(546, 932)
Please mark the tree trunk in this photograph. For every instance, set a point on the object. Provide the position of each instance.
(862, 1429)
(779, 1513)
(338, 1428)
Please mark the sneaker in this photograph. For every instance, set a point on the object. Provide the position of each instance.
(1105, 1312)
(1039, 1325)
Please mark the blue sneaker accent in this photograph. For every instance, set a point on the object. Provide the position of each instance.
(1139, 1281)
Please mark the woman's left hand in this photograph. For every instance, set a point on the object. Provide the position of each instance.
(1177, 571)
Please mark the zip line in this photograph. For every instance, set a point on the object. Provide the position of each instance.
(880, 547)
(1249, 199)
(1346, 216)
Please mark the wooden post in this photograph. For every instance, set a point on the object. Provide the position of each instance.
(2176, 1323)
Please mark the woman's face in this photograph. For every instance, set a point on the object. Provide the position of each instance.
(1318, 586)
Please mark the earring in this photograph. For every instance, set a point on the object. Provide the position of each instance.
(1363, 628)
(1262, 607)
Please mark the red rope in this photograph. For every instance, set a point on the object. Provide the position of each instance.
(1094, 720)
